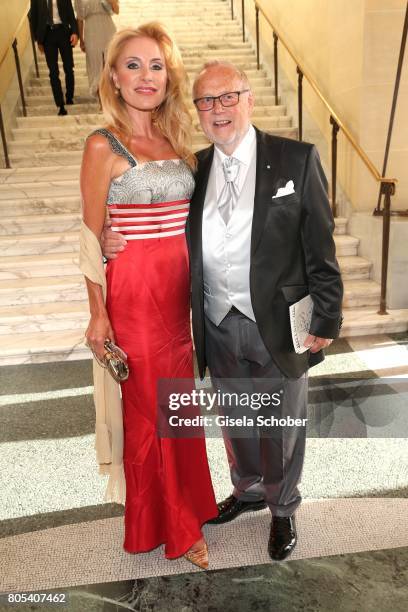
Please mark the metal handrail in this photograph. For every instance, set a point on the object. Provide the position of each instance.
(373, 170)
(12, 44)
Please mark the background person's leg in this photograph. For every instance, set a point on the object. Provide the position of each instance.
(51, 56)
(67, 57)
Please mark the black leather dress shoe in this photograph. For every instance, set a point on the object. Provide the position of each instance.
(232, 507)
(283, 538)
(62, 111)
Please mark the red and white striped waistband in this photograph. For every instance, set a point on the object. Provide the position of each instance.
(141, 221)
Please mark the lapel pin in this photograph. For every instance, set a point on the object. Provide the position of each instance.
(268, 167)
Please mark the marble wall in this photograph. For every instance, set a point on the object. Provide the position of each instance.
(12, 16)
(351, 50)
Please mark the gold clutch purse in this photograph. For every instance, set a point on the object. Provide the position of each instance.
(115, 360)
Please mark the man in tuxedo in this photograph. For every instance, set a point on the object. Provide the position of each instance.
(260, 238)
(55, 29)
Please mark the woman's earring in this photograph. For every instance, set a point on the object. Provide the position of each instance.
(117, 91)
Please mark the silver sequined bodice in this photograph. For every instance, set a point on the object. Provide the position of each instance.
(148, 182)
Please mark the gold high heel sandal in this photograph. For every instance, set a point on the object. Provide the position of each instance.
(198, 557)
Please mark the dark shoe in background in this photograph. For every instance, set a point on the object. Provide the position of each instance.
(232, 507)
(283, 537)
(62, 111)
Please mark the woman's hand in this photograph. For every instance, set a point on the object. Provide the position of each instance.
(82, 45)
(99, 329)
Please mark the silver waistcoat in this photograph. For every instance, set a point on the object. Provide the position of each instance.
(227, 251)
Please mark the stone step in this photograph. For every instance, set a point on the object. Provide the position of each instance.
(41, 347)
(360, 293)
(81, 98)
(354, 267)
(39, 244)
(204, 54)
(367, 321)
(39, 206)
(49, 108)
(38, 190)
(34, 175)
(39, 266)
(45, 317)
(346, 245)
(24, 225)
(42, 289)
(341, 225)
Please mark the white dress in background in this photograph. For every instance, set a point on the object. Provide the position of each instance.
(98, 30)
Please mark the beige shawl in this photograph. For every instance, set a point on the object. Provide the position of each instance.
(108, 402)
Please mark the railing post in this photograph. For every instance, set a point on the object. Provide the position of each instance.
(300, 101)
(4, 140)
(257, 34)
(394, 102)
(275, 64)
(232, 9)
(37, 71)
(335, 129)
(243, 19)
(388, 189)
(20, 80)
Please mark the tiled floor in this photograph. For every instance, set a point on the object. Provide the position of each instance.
(50, 481)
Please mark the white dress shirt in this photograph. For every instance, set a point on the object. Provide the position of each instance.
(243, 153)
(55, 13)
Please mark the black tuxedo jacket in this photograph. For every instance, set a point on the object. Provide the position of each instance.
(39, 17)
(292, 250)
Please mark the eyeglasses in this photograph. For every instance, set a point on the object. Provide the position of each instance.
(228, 99)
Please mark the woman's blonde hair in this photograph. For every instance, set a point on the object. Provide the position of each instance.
(172, 117)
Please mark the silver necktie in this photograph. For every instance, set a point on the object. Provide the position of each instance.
(229, 193)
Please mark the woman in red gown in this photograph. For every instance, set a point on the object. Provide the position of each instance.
(140, 169)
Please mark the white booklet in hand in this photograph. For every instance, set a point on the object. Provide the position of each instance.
(300, 318)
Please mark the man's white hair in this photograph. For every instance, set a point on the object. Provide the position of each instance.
(223, 64)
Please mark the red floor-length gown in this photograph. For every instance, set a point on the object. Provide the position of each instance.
(169, 494)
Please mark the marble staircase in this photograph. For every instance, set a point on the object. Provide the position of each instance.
(43, 306)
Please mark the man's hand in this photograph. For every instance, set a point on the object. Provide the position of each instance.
(112, 243)
(74, 40)
(316, 344)
(41, 48)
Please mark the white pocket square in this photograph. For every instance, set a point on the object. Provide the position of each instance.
(284, 191)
